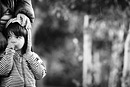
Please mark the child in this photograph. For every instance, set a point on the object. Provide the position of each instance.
(19, 66)
(21, 9)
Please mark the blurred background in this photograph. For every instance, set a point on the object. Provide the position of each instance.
(84, 43)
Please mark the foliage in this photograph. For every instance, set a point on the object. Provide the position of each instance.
(92, 6)
(54, 40)
(52, 36)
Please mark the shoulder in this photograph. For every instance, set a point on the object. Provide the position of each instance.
(35, 54)
(37, 57)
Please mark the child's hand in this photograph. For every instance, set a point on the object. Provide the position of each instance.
(25, 21)
(10, 45)
(2, 40)
(10, 48)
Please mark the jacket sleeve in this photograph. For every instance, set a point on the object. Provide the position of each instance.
(25, 7)
(37, 66)
(6, 63)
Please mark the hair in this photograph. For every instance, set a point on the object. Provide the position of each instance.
(18, 30)
(3, 47)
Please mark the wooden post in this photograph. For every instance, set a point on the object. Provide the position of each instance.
(87, 56)
(126, 62)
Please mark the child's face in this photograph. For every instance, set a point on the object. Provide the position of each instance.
(17, 41)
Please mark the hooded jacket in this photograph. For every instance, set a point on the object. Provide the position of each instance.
(20, 71)
(19, 6)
